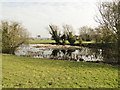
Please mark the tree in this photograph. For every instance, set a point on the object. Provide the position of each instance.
(86, 33)
(13, 35)
(71, 38)
(66, 35)
(118, 26)
(64, 38)
(109, 18)
(99, 34)
(55, 33)
(68, 32)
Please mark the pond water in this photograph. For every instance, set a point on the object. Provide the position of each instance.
(84, 54)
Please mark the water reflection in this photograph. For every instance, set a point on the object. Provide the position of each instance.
(84, 54)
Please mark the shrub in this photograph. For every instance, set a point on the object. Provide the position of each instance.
(13, 35)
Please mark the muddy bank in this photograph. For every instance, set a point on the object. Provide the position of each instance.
(57, 46)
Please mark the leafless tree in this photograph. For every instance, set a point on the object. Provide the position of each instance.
(69, 34)
(109, 17)
(110, 20)
(86, 33)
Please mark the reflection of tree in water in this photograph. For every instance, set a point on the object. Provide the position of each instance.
(68, 54)
(55, 52)
(108, 55)
(70, 51)
(63, 51)
(96, 52)
(64, 54)
(90, 54)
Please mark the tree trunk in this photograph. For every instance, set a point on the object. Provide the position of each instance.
(119, 32)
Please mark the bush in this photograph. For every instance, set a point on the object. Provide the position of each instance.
(13, 35)
(71, 38)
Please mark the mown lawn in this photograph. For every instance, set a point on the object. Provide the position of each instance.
(24, 72)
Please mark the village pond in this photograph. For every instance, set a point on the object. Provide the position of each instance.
(56, 52)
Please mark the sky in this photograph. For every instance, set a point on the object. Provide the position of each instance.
(36, 15)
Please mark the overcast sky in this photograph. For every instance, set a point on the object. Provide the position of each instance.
(36, 15)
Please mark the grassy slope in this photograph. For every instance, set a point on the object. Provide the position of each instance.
(34, 73)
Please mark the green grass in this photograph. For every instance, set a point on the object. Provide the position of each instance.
(41, 41)
(83, 42)
(25, 72)
(52, 41)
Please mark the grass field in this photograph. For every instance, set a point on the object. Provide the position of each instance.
(24, 72)
(41, 41)
(52, 41)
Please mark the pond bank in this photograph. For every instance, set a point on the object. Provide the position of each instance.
(56, 46)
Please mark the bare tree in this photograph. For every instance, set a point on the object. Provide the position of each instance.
(69, 34)
(110, 21)
(68, 28)
(86, 33)
(109, 17)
